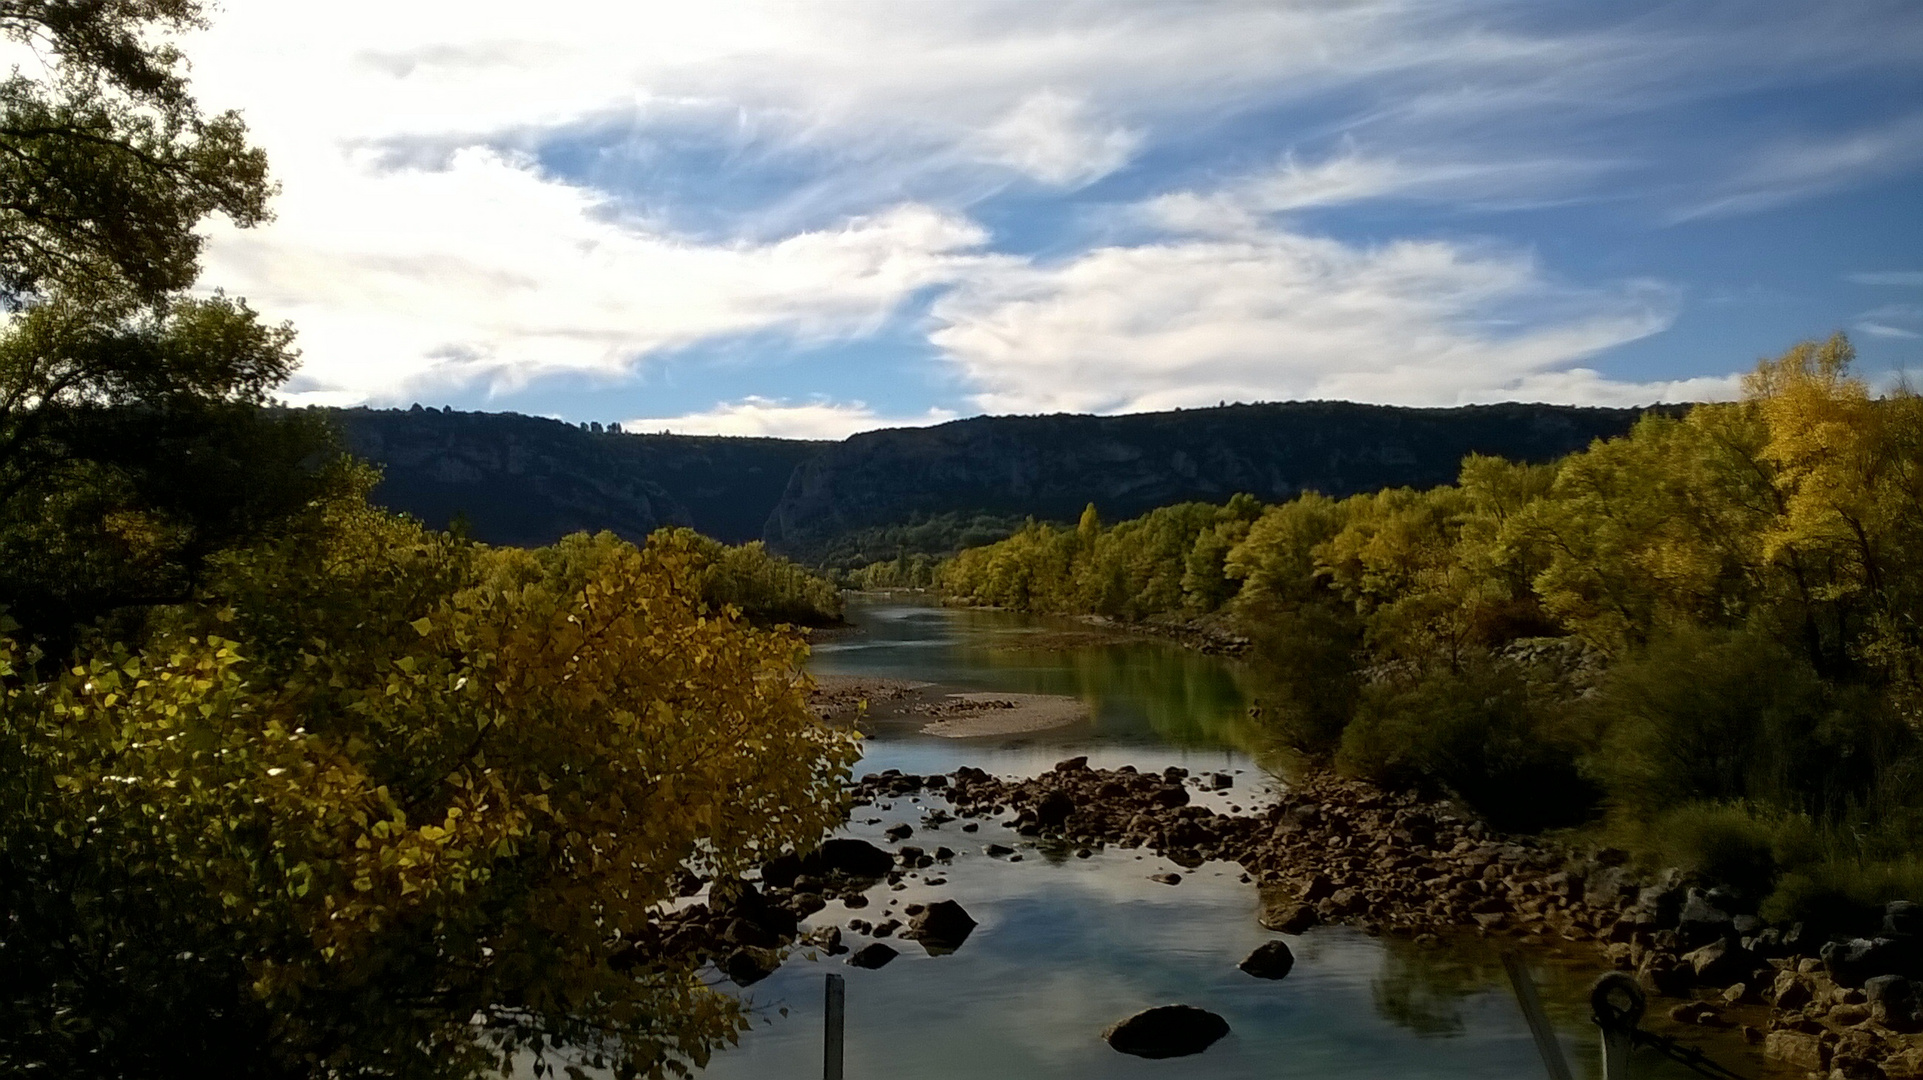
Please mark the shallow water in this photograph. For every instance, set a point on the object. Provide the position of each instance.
(1066, 946)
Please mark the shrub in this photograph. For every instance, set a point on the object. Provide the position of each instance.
(1481, 731)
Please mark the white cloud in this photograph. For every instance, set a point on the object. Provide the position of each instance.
(486, 272)
(1884, 330)
(1050, 137)
(1889, 277)
(1354, 176)
(417, 247)
(786, 420)
(1281, 315)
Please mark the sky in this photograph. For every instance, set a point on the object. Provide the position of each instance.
(807, 220)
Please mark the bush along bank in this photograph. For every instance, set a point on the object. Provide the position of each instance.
(1839, 1000)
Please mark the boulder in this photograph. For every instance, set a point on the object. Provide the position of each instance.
(1720, 963)
(941, 927)
(1166, 878)
(873, 955)
(1166, 1031)
(781, 871)
(1854, 962)
(1270, 960)
(1892, 1001)
(1791, 990)
(855, 858)
(749, 966)
(1797, 1049)
(899, 831)
(1700, 921)
(1054, 809)
(1902, 918)
(1289, 918)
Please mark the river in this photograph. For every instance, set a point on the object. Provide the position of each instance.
(1067, 945)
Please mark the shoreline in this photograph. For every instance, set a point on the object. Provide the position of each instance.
(1336, 851)
(933, 709)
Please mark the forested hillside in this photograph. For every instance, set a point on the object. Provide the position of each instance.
(528, 480)
(525, 480)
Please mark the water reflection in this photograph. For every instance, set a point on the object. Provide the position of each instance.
(1139, 692)
(1067, 945)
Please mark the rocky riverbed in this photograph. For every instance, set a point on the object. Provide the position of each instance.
(1335, 851)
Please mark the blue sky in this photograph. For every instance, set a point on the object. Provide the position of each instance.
(810, 219)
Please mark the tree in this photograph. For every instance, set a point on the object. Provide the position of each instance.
(133, 445)
(107, 165)
(396, 807)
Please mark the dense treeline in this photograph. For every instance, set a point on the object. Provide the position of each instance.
(1704, 632)
(291, 786)
(764, 588)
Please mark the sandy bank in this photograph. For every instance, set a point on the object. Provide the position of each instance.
(971, 716)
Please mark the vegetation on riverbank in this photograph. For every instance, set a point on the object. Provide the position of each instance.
(1702, 633)
(290, 786)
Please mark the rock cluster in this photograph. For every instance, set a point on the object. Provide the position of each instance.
(1333, 850)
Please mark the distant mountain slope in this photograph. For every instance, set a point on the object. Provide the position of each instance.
(527, 480)
(1051, 466)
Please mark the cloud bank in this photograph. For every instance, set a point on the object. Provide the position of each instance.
(484, 197)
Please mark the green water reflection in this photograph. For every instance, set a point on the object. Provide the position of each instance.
(1139, 691)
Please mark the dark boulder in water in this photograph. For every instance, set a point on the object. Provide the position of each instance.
(1166, 1031)
(855, 858)
(1272, 960)
(941, 927)
(873, 956)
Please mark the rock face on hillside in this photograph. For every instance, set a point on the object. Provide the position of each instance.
(1051, 466)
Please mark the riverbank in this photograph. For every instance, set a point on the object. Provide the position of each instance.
(1338, 851)
(935, 710)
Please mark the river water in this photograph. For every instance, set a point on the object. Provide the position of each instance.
(1068, 945)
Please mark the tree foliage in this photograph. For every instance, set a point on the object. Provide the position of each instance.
(1717, 609)
(289, 786)
(403, 805)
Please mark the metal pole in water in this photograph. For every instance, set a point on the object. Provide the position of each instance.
(836, 1020)
(1546, 1044)
(1618, 1004)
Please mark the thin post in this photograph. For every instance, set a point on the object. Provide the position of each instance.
(1618, 1004)
(836, 1022)
(1546, 1043)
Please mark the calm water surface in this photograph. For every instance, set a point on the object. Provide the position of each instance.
(1066, 946)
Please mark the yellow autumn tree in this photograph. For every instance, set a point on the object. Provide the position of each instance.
(403, 801)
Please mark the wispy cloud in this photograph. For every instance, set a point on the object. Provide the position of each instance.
(1282, 315)
(784, 419)
(1884, 330)
(1799, 168)
(1889, 277)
